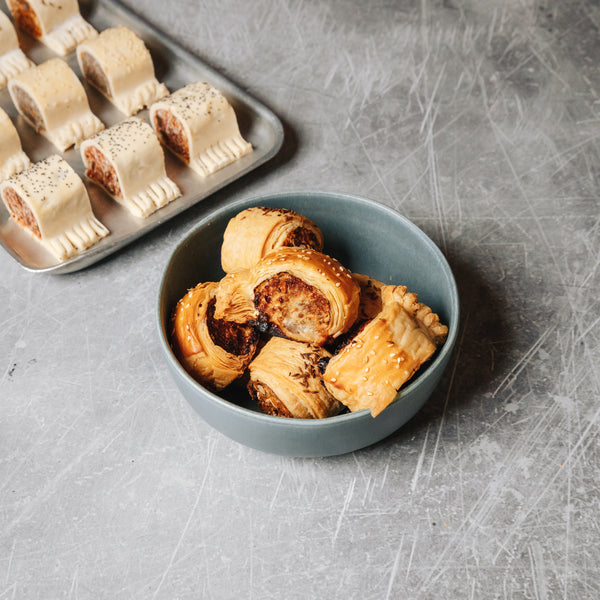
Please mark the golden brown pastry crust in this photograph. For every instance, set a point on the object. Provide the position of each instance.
(299, 293)
(385, 353)
(212, 351)
(286, 380)
(256, 231)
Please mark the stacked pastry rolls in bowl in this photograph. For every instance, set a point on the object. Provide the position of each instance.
(307, 323)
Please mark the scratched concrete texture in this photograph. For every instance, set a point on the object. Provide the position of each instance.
(477, 120)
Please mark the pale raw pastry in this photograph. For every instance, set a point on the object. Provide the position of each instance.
(128, 161)
(52, 100)
(58, 23)
(50, 200)
(213, 351)
(385, 353)
(118, 64)
(286, 381)
(298, 293)
(256, 231)
(12, 158)
(12, 59)
(199, 125)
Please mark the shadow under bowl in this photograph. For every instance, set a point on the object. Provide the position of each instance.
(366, 237)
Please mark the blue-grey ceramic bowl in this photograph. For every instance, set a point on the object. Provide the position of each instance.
(367, 238)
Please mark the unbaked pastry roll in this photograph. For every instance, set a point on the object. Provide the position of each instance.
(118, 64)
(386, 352)
(53, 101)
(57, 24)
(50, 200)
(213, 351)
(298, 293)
(127, 160)
(12, 158)
(256, 231)
(197, 124)
(286, 380)
(12, 59)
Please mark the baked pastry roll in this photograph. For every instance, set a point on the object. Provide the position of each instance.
(197, 124)
(52, 100)
(297, 293)
(12, 59)
(385, 353)
(128, 162)
(213, 351)
(57, 24)
(118, 64)
(256, 231)
(12, 158)
(50, 200)
(286, 381)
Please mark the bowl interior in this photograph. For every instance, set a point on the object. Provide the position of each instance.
(364, 236)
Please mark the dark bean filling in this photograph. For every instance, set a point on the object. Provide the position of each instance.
(232, 337)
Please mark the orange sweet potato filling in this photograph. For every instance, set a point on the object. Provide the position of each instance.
(20, 212)
(99, 170)
(171, 133)
(25, 17)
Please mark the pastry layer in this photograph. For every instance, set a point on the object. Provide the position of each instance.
(52, 99)
(58, 24)
(12, 158)
(256, 231)
(50, 200)
(120, 66)
(213, 351)
(286, 380)
(199, 125)
(299, 293)
(385, 353)
(12, 59)
(128, 162)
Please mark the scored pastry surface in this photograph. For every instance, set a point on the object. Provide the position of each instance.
(50, 200)
(57, 24)
(385, 353)
(198, 124)
(127, 160)
(119, 65)
(53, 101)
(12, 158)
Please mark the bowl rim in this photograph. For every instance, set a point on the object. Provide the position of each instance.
(441, 355)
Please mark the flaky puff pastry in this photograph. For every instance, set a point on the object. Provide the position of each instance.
(256, 231)
(385, 353)
(298, 293)
(286, 381)
(213, 351)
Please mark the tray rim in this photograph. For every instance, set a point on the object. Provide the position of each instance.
(98, 252)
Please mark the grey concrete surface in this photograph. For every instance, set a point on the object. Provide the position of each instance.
(479, 121)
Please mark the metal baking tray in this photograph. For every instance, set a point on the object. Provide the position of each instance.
(174, 66)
